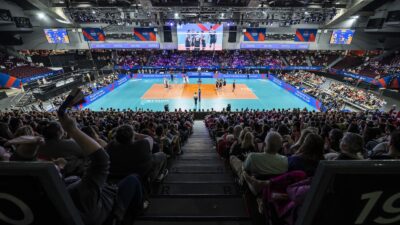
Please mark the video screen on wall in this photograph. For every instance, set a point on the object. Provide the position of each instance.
(342, 37)
(200, 37)
(57, 36)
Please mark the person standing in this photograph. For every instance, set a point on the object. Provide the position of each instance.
(224, 82)
(188, 41)
(199, 95)
(213, 38)
(233, 86)
(195, 97)
(165, 82)
(203, 41)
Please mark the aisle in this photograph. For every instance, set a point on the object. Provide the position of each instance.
(199, 189)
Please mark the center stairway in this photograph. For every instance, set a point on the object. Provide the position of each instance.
(199, 189)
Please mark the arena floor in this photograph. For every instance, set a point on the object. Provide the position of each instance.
(150, 94)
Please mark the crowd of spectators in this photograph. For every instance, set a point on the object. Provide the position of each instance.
(93, 152)
(379, 67)
(335, 95)
(229, 59)
(323, 58)
(20, 68)
(99, 83)
(371, 64)
(357, 95)
(274, 152)
(133, 58)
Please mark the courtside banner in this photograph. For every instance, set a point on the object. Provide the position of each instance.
(93, 34)
(103, 91)
(305, 35)
(303, 96)
(255, 34)
(356, 76)
(311, 68)
(200, 75)
(277, 46)
(144, 34)
(40, 76)
(240, 76)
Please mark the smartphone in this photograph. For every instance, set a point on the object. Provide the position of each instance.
(74, 98)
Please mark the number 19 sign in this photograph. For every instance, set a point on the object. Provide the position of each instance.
(352, 193)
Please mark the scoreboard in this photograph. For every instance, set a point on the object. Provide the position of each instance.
(56, 36)
(342, 36)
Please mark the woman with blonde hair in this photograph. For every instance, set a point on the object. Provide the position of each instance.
(293, 149)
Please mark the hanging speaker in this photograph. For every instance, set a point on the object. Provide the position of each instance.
(232, 34)
(167, 34)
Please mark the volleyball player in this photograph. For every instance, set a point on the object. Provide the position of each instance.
(187, 40)
(233, 86)
(192, 35)
(213, 38)
(203, 41)
(197, 41)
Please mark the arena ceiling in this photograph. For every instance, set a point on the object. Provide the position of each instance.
(238, 12)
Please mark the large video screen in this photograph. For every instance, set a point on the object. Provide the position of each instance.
(56, 36)
(342, 37)
(200, 37)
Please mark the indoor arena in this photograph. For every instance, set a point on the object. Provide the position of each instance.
(199, 112)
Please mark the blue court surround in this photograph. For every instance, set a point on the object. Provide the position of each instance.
(128, 96)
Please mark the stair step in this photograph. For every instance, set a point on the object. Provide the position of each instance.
(198, 178)
(193, 157)
(226, 222)
(191, 150)
(199, 169)
(213, 162)
(201, 208)
(205, 189)
(199, 154)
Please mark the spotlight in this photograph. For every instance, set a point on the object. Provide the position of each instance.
(171, 24)
(41, 15)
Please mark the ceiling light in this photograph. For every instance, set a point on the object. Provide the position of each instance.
(41, 15)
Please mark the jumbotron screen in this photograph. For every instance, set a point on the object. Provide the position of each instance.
(56, 36)
(342, 36)
(200, 37)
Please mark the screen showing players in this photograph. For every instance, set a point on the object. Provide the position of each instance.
(342, 37)
(200, 37)
(56, 36)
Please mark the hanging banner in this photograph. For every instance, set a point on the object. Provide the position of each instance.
(93, 34)
(7, 81)
(144, 34)
(255, 34)
(305, 35)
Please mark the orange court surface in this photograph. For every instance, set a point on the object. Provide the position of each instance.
(208, 91)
